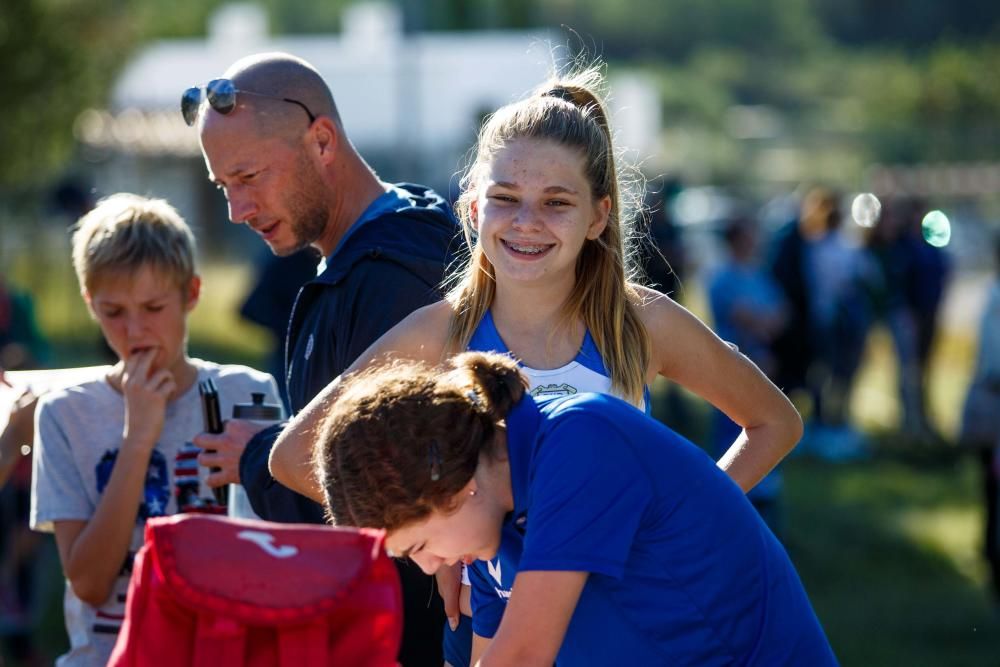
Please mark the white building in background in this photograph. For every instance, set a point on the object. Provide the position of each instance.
(411, 103)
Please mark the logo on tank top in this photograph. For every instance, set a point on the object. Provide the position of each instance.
(547, 390)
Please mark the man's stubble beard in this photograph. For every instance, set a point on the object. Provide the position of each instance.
(309, 211)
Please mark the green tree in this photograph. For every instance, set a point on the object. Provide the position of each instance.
(911, 24)
(59, 57)
(674, 29)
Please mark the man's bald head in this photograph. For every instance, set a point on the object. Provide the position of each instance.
(280, 75)
(293, 182)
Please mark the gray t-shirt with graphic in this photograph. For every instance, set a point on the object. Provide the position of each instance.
(77, 436)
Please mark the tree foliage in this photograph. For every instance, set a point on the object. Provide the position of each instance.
(917, 77)
(59, 57)
(910, 24)
(674, 29)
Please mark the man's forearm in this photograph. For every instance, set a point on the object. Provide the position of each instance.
(291, 458)
(268, 498)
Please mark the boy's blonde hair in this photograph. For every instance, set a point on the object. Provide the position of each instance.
(125, 232)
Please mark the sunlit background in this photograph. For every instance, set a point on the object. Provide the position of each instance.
(728, 109)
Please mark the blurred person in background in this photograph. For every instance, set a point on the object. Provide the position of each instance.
(820, 271)
(274, 143)
(17, 434)
(792, 348)
(926, 286)
(749, 311)
(980, 428)
(22, 347)
(891, 284)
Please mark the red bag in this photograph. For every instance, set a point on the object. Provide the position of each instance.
(208, 591)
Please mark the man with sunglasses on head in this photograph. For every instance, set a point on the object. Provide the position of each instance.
(275, 145)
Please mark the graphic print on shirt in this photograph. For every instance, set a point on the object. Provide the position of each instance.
(156, 490)
(107, 623)
(187, 485)
(550, 390)
(109, 617)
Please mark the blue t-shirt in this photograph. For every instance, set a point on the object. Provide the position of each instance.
(491, 581)
(586, 372)
(743, 286)
(682, 571)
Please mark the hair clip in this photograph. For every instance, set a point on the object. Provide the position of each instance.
(434, 459)
(474, 397)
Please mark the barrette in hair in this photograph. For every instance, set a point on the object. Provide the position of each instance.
(562, 93)
(434, 460)
(474, 397)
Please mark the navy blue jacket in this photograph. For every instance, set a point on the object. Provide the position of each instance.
(389, 267)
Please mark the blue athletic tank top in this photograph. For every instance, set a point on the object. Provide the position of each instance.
(586, 372)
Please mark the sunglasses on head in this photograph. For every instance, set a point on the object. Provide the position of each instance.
(221, 96)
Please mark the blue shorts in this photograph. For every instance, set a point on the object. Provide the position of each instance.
(458, 644)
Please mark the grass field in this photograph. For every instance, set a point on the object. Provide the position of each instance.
(889, 553)
(888, 548)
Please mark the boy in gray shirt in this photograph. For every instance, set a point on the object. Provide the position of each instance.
(116, 450)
